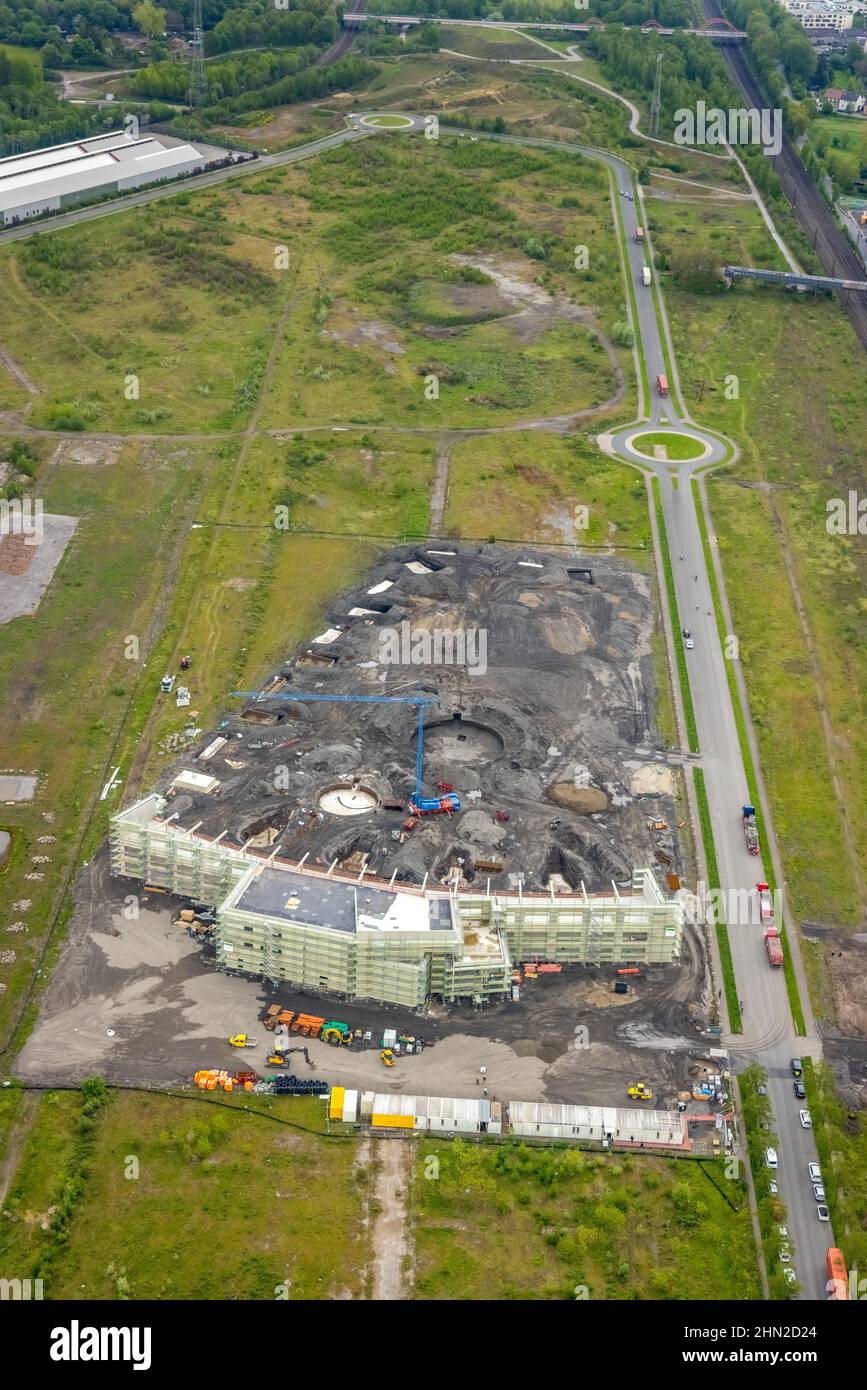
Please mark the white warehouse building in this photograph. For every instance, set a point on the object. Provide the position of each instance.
(80, 171)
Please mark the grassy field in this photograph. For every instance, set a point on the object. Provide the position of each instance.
(377, 318)
(798, 452)
(520, 1222)
(65, 679)
(843, 132)
(278, 1206)
(502, 44)
(676, 446)
(527, 486)
(143, 322)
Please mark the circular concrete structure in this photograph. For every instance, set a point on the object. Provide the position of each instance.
(348, 801)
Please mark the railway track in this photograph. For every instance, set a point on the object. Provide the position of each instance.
(345, 39)
(833, 248)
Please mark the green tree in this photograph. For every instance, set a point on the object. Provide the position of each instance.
(150, 19)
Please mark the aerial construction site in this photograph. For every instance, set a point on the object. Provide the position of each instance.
(448, 810)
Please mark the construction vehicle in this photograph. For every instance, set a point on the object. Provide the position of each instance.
(645, 275)
(766, 903)
(751, 833)
(640, 1092)
(837, 1286)
(435, 805)
(410, 825)
(280, 1052)
(445, 786)
(662, 385)
(862, 220)
(387, 1056)
(773, 946)
(639, 234)
(336, 1033)
(243, 1040)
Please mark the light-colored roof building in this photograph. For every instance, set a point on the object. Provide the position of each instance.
(80, 171)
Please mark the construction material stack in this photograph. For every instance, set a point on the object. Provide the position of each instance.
(751, 833)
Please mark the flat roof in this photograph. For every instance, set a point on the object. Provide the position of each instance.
(65, 169)
(293, 896)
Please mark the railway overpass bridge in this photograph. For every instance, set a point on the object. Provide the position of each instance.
(718, 30)
(790, 280)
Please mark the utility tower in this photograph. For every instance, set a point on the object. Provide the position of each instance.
(198, 75)
(653, 128)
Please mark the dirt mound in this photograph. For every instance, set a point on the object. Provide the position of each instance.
(585, 800)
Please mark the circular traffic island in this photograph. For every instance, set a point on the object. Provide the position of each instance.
(388, 121)
(668, 444)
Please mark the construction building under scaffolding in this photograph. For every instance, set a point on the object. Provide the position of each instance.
(364, 937)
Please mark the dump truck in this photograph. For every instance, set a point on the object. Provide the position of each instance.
(639, 234)
(662, 385)
(751, 833)
(645, 275)
(773, 946)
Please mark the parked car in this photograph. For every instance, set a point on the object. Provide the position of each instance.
(819, 1191)
(797, 1069)
(800, 1093)
(806, 1119)
(790, 1275)
(785, 1255)
(771, 1158)
(773, 1187)
(815, 1172)
(823, 1213)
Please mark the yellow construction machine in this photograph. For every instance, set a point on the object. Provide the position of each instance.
(640, 1092)
(387, 1056)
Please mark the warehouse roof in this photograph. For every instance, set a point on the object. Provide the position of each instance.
(78, 167)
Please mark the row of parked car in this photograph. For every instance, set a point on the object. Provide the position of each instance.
(813, 1170)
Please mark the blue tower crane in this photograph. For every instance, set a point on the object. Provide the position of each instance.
(420, 803)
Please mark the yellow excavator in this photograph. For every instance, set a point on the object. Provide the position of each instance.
(640, 1092)
(387, 1056)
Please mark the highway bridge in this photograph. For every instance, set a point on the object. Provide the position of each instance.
(717, 30)
(791, 281)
